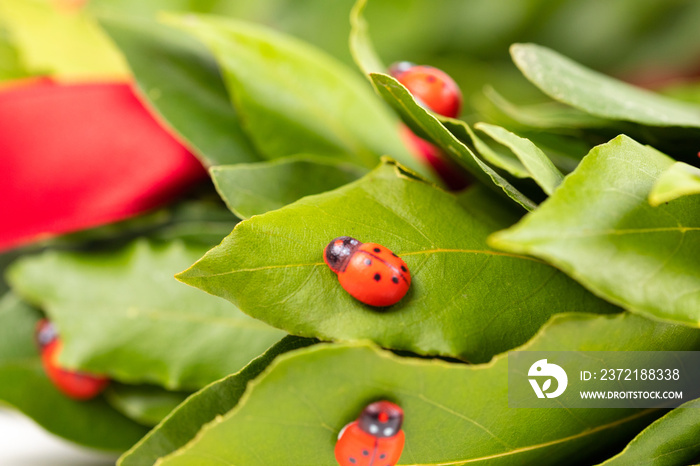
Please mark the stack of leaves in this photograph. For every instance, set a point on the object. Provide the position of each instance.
(580, 232)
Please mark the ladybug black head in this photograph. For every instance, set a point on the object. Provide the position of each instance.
(338, 252)
(45, 333)
(381, 419)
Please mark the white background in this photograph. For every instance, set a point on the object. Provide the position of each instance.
(23, 443)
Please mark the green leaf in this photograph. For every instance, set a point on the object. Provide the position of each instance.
(427, 125)
(24, 385)
(686, 91)
(566, 151)
(454, 413)
(271, 267)
(121, 313)
(253, 189)
(538, 166)
(501, 158)
(202, 221)
(17, 329)
(11, 66)
(66, 45)
(145, 404)
(293, 98)
(599, 228)
(550, 115)
(571, 83)
(361, 46)
(669, 441)
(680, 179)
(181, 426)
(180, 79)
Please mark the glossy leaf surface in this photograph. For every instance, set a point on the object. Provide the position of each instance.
(466, 300)
(599, 228)
(296, 402)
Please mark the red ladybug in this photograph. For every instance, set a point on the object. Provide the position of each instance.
(74, 384)
(432, 87)
(374, 439)
(368, 271)
(451, 174)
(435, 90)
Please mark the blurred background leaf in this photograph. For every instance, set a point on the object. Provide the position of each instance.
(214, 400)
(66, 44)
(25, 386)
(122, 313)
(181, 81)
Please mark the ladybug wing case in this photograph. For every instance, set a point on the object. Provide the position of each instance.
(375, 276)
(358, 448)
(352, 445)
(389, 450)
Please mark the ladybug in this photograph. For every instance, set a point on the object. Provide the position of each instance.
(433, 88)
(368, 271)
(74, 384)
(437, 91)
(374, 439)
(451, 174)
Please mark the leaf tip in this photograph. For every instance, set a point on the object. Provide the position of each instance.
(517, 49)
(654, 201)
(356, 13)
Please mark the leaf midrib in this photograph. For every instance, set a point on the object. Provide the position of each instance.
(410, 253)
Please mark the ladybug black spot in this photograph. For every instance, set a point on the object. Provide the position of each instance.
(353, 460)
(368, 262)
(365, 452)
(377, 250)
(430, 78)
(403, 268)
(382, 456)
(395, 279)
(377, 277)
